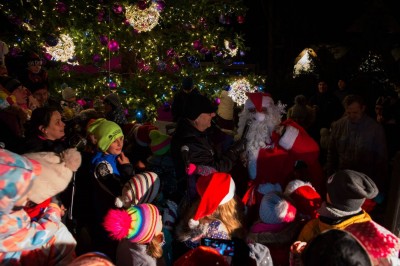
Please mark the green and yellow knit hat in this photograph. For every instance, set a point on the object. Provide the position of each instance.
(105, 132)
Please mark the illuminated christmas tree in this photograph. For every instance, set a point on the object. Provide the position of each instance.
(139, 49)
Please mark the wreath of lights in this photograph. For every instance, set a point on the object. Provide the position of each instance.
(64, 50)
(142, 20)
(239, 89)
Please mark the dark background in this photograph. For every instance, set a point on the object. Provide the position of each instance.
(277, 31)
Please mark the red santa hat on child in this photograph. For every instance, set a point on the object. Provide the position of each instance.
(305, 197)
(258, 100)
(142, 133)
(214, 190)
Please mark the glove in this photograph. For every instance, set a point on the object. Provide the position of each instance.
(239, 146)
(190, 169)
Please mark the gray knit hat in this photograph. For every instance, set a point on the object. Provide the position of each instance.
(68, 93)
(113, 99)
(348, 189)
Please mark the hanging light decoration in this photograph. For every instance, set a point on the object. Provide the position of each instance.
(230, 47)
(304, 62)
(142, 20)
(64, 51)
(239, 89)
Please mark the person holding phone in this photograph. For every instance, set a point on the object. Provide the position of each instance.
(217, 212)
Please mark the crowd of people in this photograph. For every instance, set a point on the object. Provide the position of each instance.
(85, 186)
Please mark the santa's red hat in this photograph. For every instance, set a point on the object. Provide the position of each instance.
(214, 190)
(258, 100)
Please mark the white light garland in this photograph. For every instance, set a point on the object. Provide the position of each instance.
(239, 89)
(232, 52)
(64, 50)
(142, 20)
(303, 65)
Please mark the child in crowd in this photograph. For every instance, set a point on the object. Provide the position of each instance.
(110, 165)
(218, 213)
(139, 230)
(144, 188)
(42, 239)
(113, 109)
(34, 73)
(111, 169)
(346, 193)
(305, 198)
(161, 162)
(92, 259)
(277, 227)
(335, 247)
(69, 105)
(141, 188)
(138, 144)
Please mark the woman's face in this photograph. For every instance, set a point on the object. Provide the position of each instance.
(116, 147)
(55, 129)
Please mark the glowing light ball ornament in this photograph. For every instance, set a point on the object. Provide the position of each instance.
(117, 8)
(61, 7)
(64, 50)
(239, 89)
(113, 45)
(160, 5)
(103, 40)
(142, 20)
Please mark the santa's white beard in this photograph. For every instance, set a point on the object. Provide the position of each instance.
(260, 131)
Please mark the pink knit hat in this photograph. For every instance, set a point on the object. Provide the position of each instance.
(137, 224)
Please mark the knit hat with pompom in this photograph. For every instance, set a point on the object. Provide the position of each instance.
(137, 224)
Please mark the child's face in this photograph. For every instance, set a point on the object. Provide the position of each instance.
(116, 147)
(159, 225)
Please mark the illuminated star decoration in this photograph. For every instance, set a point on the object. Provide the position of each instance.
(142, 20)
(239, 89)
(64, 50)
(232, 51)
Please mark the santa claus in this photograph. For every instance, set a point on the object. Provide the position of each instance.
(274, 146)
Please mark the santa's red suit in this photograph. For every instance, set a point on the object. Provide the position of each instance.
(274, 161)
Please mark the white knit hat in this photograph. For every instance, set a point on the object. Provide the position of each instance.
(276, 209)
(141, 188)
(56, 173)
(226, 105)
